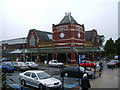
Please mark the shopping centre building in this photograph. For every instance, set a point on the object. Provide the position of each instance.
(66, 43)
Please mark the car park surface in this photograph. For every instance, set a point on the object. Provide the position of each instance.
(55, 63)
(70, 83)
(39, 79)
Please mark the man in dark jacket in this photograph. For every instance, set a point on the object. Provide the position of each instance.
(85, 84)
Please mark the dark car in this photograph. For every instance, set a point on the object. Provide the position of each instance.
(7, 66)
(113, 63)
(77, 71)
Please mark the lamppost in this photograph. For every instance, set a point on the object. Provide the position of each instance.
(23, 49)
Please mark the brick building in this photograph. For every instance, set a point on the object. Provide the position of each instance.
(66, 42)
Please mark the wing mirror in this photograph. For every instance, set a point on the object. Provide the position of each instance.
(35, 78)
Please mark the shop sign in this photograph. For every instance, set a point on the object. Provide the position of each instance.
(46, 45)
(88, 45)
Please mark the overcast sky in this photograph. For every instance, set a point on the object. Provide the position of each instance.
(17, 17)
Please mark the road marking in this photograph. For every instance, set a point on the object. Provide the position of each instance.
(69, 85)
(71, 78)
(19, 86)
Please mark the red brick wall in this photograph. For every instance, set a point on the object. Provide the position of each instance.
(70, 35)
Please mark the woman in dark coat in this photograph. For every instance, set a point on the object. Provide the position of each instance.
(85, 84)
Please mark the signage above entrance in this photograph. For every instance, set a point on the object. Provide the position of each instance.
(46, 45)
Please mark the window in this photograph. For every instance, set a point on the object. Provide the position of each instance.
(33, 75)
(32, 41)
(27, 74)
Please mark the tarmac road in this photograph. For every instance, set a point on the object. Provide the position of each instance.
(108, 79)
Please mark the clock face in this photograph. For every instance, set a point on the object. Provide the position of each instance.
(79, 35)
(62, 35)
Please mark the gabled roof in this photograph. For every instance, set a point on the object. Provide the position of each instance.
(88, 35)
(68, 19)
(44, 36)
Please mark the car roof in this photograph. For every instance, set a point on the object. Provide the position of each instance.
(72, 66)
(114, 60)
(18, 61)
(53, 60)
(30, 61)
(6, 62)
(35, 71)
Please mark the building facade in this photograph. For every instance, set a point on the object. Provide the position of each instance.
(65, 43)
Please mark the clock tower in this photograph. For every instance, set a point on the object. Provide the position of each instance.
(68, 33)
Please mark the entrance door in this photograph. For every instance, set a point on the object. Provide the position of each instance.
(61, 57)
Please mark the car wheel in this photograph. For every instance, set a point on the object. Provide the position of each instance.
(58, 66)
(41, 87)
(18, 69)
(49, 65)
(23, 82)
(108, 66)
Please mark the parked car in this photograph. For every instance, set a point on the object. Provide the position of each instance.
(77, 71)
(20, 66)
(7, 66)
(32, 65)
(5, 59)
(113, 63)
(87, 64)
(55, 63)
(39, 79)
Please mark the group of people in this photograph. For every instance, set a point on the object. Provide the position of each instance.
(85, 84)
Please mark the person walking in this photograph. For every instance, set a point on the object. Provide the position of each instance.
(85, 84)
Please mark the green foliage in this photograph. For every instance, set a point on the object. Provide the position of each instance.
(117, 45)
(110, 47)
(101, 40)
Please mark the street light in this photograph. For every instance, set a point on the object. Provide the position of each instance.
(23, 49)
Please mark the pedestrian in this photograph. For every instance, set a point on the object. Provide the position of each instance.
(85, 84)
(101, 65)
(98, 70)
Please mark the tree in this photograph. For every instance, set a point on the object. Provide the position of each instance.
(101, 40)
(110, 47)
(117, 46)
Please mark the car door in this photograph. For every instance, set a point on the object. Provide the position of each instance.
(34, 79)
(55, 63)
(77, 72)
(27, 77)
(52, 63)
(16, 65)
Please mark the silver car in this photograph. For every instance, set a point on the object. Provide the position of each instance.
(39, 79)
(55, 63)
(20, 66)
(32, 65)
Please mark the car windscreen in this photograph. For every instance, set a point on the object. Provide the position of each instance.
(113, 61)
(7, 64)
(43, 75)
(82, 69)
(32, 63)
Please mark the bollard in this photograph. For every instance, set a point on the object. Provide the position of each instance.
(62, 76)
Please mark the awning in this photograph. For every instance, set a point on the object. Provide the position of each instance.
(57, 50)
(16, 51)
